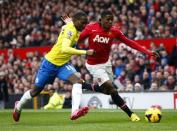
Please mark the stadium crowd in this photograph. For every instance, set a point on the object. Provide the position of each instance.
(37, 23)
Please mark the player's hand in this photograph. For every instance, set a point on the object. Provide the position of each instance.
(90, 52)
(155, 55)
(66, 19)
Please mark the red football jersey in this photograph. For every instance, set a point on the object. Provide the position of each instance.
(101, 40)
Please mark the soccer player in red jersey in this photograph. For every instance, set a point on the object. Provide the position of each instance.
(100, 36)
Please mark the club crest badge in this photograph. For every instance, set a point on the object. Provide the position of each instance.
(70, 34)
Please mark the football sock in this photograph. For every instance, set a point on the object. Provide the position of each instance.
(76, 96)
(26, 97)
(92, 87)
(120, 102)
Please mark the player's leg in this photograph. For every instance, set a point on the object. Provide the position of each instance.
(117, 98)
(45, 75)
(109, 89)
(91, 87)
(93, 71)
(76, 98)
(68, 72)
(104, 76)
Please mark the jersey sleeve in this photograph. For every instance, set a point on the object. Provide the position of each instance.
(67, 49)
(68, 33)
(131, 43)
(69, 36)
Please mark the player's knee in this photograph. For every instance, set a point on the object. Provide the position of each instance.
(106, 92)
(112, 91)
(109, 90)
(35, 91)
(75, 79)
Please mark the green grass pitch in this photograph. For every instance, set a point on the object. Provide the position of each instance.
(95, 120)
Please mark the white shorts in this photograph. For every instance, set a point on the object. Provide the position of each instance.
(101, 72)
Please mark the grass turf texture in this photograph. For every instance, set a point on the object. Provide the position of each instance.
(96, 120)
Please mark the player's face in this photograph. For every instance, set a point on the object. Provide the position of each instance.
(51, 92)
(107, 21)
(80, 24)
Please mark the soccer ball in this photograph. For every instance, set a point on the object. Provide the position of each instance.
(153, 115)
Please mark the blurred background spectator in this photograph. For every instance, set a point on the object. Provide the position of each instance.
(3, 90)
(37, 22)
(56, 100)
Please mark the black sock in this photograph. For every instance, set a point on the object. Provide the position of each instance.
(92, 87)
(120, 102)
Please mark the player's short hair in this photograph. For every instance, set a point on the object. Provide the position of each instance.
(105, 13)
(79, 15)
(52, 89)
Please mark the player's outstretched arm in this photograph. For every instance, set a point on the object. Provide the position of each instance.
(67, 49)
(136, 46)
